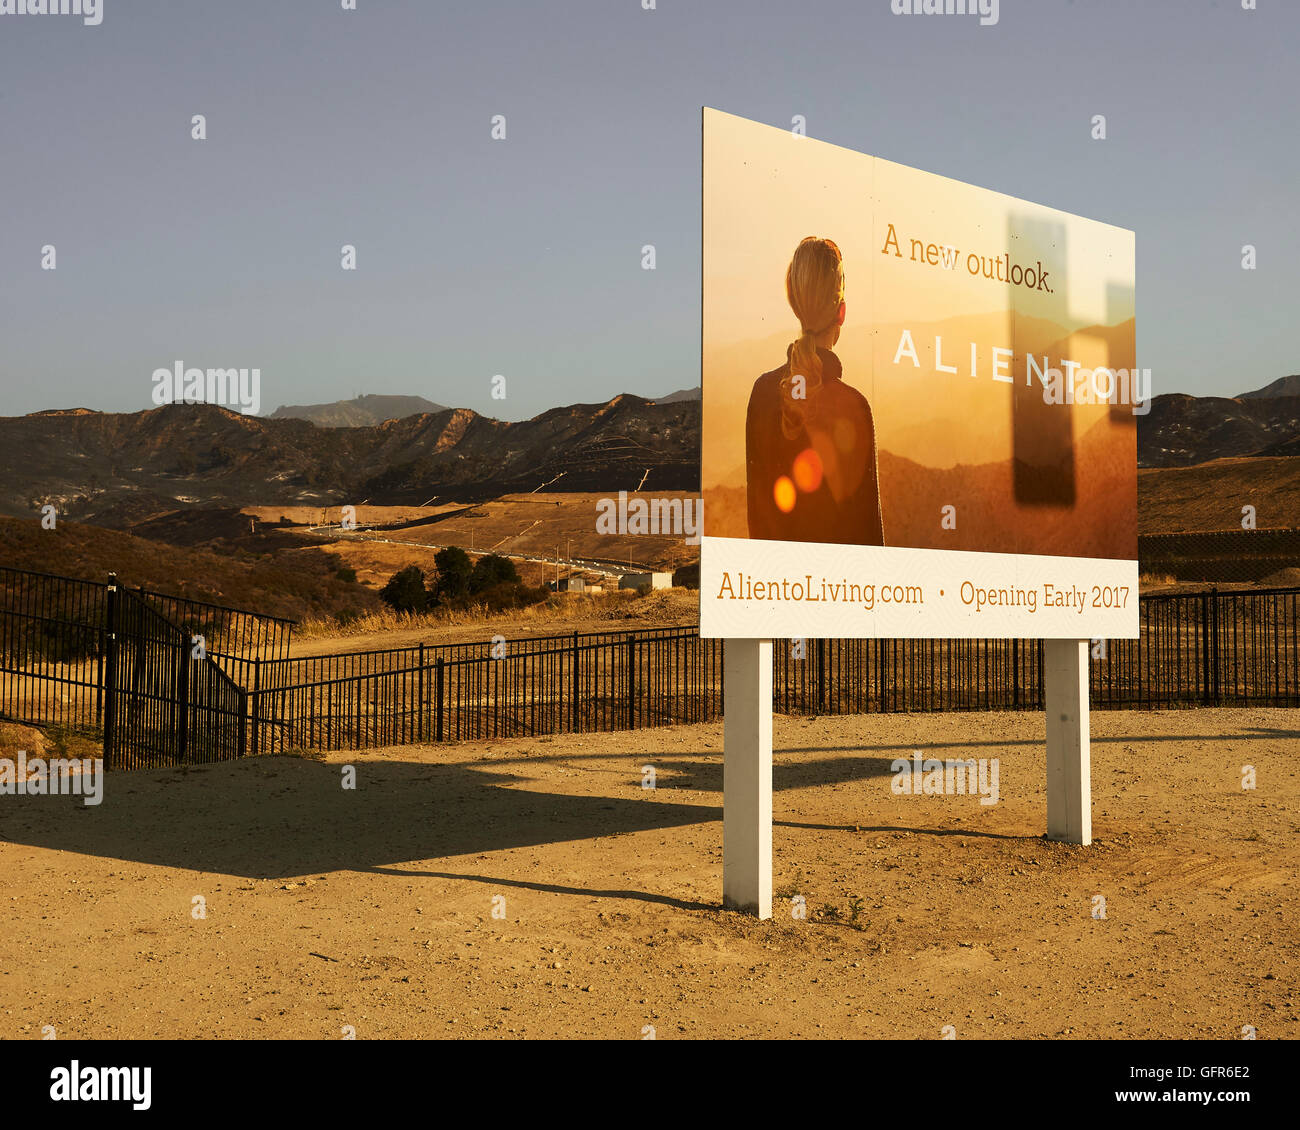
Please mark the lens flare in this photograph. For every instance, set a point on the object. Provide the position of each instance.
(784, 494)
(808, 470)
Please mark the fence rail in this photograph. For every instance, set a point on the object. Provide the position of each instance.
(63, 642)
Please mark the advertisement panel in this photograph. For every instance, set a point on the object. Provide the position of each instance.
(920, 403)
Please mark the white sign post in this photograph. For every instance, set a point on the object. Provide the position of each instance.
(747, 762)
(1069, 757)
(747, 776)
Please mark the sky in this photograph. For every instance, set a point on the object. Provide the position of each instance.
(521, 257)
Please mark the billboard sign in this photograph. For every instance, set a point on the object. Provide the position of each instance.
(920, 403)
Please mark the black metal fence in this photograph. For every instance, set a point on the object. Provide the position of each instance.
(157, 677)
(1211, 649)
(87, 656)
(580, 682)
(52, 636)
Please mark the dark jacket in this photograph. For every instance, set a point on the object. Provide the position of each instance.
(845, 431)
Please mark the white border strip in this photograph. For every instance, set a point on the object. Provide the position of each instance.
(752, 589)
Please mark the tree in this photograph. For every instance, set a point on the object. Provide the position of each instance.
(405, 590)
(453, 568)
(491, 571)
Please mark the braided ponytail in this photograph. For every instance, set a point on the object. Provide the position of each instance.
(814, 287)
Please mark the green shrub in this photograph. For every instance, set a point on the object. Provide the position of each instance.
(405, 590)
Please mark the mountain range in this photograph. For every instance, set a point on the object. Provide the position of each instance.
(369, 410)
(1181, 430)
(118, 469)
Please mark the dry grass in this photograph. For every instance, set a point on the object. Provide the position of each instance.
(558, 612)
(522, 525)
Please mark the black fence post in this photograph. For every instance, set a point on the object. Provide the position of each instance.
(575, 711)
(631, 680)
(182, 702)
(257, 704)
(110, 670)
(1205, 648)
(419, 699)
(438, 691)
(1214, 642)
(99, 678)
(821, 677)
(1015, 675)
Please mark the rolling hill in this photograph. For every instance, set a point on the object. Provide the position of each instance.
(1283, 386)
(363, 411)
(1181, 430)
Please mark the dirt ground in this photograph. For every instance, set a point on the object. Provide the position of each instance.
(372, 909)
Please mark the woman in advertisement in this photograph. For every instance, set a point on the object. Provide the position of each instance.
(810, 443)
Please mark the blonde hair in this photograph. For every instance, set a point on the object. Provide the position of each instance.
(814, 287)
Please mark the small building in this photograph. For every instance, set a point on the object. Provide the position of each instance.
(570, 584)
(646, 581)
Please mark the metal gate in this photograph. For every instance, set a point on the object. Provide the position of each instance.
(166, 702)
